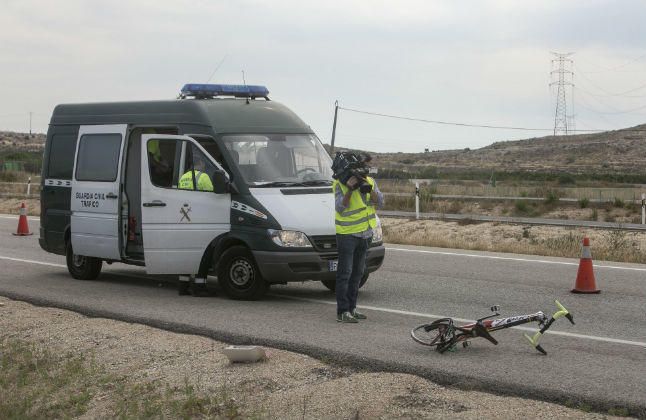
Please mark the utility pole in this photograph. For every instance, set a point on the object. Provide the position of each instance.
(563, 122)
(336, 111)
(30, 113)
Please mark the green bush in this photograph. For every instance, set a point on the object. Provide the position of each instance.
(551, 197)
(618, 202)
(521, 206)
(584, 203)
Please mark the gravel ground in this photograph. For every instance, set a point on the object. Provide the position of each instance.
(287, 385)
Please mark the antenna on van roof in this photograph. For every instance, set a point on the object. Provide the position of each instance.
(217, 67)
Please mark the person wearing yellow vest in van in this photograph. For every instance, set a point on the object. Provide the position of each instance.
(202, 179)
(355, 219)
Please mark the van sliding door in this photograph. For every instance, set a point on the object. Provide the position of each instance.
(95, 191)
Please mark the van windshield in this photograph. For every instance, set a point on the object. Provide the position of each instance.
(280, 160)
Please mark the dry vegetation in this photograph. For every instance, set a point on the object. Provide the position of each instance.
(22, 141)
(59, 364)
(610, 245)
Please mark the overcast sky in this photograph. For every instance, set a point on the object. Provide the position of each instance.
(483, 62)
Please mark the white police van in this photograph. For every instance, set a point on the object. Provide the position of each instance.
(111, 190)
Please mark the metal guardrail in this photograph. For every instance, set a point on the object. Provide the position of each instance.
(515, 220)
(504, 198)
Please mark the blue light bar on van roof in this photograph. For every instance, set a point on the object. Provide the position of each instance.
(201, 91)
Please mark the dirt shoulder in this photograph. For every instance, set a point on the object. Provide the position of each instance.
(57, 363)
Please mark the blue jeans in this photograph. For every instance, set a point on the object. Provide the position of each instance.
(352, 263)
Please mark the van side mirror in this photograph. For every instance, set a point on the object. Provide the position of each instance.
(221, 184)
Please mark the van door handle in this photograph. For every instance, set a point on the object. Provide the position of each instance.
(155, 203)
(111, 195)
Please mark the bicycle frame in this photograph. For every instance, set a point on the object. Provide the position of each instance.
(484, 326)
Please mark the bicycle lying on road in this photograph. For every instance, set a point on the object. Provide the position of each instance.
(443, 335)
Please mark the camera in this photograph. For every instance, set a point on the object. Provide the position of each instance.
(347, 164)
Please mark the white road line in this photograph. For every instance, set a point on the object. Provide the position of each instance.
(455, 254)
(378, 309)
(2, 257)
(15, 217)
(424, 315)
(494, 257)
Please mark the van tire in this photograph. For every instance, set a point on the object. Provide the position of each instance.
(331, 284)
(239, 275)
(81, 267)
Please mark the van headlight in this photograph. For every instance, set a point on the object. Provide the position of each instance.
(377, 233)
(289, 238)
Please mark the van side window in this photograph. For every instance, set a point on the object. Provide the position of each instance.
(198, 171)
(98, 157)
(178, 164)
(163, 160)
(61, 156)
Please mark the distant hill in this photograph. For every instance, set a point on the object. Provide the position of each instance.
(621, 151)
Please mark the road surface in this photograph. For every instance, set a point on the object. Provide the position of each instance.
(601, 361)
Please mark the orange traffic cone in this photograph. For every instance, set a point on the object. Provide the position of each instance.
(585, 276)
(23, 226)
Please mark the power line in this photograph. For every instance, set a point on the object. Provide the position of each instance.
(459, 124)
(626, 64)
(615, 111)
(608, 93)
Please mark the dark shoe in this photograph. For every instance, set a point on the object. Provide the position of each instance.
(358, 315)
(183, 288)
(200, 290)
(346, 317)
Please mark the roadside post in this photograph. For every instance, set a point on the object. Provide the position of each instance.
(29, 187)
(643, 209)
(417, 201)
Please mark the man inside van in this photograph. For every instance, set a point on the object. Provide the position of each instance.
(202, 179)
(355, 220)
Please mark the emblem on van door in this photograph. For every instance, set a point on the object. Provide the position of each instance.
(185, 210)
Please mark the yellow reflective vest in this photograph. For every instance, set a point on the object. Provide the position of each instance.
(203, 181)
(359, 216)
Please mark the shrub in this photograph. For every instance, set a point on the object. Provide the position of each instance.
(618, 202)
(566, 179)
(551, 197)
(521, 206)
(594, 215)
(584, 202)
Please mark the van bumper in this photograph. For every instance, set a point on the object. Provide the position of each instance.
(284, 267)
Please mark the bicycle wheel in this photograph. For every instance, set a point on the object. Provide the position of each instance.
(439, 333)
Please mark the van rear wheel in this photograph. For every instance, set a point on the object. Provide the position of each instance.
(239, 276)
(82, 267)
(331, 284)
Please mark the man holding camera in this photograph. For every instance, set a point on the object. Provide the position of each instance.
(355, 220)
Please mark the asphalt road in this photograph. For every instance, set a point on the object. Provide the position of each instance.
(601, 361)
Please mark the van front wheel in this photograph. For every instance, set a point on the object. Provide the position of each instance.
(239, 276)
(81, 267)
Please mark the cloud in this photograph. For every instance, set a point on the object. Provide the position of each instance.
(473, 61)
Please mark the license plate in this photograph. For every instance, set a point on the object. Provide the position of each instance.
(333, 264)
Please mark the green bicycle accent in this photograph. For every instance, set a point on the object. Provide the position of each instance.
(562, 312)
